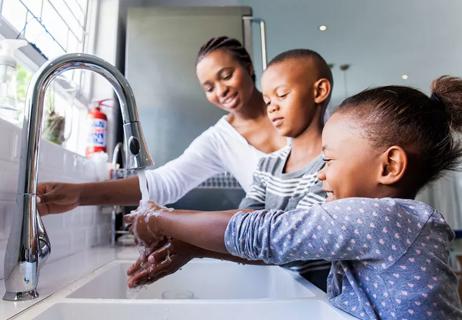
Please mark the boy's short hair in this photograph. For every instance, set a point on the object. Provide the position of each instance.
(306, 54)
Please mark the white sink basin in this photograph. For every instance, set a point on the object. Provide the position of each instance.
(202, 290)
(199, 279)
(193, 310)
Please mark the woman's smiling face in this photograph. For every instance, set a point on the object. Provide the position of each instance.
(353, 166)
(227, 83)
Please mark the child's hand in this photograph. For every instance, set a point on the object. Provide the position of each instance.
(143, 221)
(162, 262)
(142, 227)
(142, 260)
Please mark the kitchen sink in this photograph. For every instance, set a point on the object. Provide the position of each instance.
(203, 289)
(192, 310)
(199, 279)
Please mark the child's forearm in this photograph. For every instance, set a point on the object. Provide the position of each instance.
(228, 257)
(202, 229)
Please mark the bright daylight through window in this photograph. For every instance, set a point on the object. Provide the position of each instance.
(50, 28)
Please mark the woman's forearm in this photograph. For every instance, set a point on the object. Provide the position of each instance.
(202, 229)
(111, 192)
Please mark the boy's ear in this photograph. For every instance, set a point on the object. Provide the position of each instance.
(322, 89)
(394, 163)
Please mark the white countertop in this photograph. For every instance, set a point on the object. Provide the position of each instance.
(60, 273)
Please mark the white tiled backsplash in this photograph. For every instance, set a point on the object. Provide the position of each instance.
(69, 233)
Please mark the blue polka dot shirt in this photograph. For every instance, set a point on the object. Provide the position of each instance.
(389, 256)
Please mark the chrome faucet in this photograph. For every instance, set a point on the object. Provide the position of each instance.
(28, 244)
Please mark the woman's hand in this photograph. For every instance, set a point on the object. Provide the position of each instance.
(57, 197)
(160, 263)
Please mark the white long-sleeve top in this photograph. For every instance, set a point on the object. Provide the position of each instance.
(218, 149)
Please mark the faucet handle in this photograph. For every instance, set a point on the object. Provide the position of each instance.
(136, 152)
(44, 244)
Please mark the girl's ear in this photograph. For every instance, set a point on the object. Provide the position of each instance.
(322, 89)
(394, 164)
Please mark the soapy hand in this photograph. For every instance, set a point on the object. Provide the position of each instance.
(161, 262)
(144, 225)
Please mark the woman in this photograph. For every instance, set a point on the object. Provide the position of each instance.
(234, 144)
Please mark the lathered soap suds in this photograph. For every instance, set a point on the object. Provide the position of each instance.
(147, 209)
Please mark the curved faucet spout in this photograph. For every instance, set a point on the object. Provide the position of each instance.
(28, 244)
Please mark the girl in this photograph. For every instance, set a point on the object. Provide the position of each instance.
(389, 252)
(234, 144)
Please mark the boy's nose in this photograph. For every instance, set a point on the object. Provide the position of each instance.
(321, 175)
(272, 107)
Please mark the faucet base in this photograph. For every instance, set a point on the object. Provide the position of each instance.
(21, 296)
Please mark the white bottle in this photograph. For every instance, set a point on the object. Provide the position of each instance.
(8, 104)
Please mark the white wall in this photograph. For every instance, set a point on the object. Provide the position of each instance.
(69, 233)
(445, 194)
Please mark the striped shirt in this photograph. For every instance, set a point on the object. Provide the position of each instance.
(274, 189)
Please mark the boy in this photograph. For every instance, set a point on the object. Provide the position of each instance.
(296, 89)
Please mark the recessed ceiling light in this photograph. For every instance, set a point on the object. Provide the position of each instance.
(322, 28)
(404, 76)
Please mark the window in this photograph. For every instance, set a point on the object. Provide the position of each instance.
(52, 28)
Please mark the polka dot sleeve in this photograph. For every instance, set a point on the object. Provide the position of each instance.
(371, 230)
